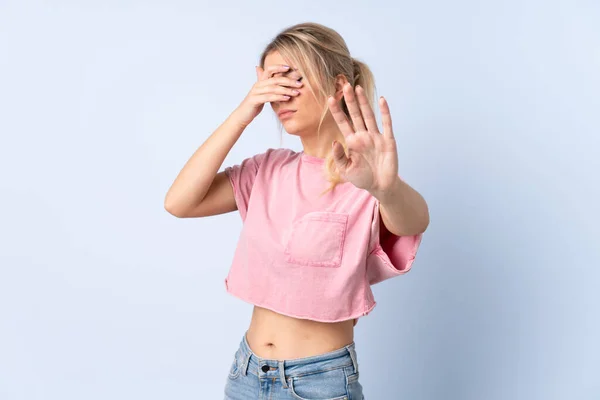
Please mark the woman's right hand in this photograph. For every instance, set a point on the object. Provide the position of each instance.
(266, 89)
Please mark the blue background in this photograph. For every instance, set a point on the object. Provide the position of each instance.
(104, 295)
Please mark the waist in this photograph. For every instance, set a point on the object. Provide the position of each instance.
(339, 359)
(279, 337)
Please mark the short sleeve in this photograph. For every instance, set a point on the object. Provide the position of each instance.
(242, 178)
(389, 255)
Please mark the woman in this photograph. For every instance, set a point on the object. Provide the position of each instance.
(320, 226)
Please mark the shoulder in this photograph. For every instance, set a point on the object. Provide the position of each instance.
(281, 152)
(280, 155)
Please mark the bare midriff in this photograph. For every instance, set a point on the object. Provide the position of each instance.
(278, 337)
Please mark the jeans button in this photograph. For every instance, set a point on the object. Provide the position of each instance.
(265, 368)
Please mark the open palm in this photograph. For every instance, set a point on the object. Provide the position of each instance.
(370, 161)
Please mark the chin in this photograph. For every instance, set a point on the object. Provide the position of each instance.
(295, 129)
(292, 128)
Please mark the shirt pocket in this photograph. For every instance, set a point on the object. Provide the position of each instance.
(317, 239)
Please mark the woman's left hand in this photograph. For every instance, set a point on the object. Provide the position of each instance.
(371, 161)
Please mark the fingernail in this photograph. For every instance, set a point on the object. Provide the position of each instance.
(286, 66)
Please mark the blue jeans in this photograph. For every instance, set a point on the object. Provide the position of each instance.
(328, 376)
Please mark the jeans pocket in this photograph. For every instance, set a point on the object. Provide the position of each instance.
(234, 369)
(326, 385)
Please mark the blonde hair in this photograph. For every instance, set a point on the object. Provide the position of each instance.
(321, 54)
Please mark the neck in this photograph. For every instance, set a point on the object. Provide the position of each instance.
(320, 145)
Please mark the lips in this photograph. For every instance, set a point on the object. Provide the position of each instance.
(285, 113)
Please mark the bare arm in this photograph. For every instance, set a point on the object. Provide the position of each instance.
(198, 190)
(403, 210)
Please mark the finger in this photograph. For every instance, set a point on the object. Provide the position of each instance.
(270, 98)
(366, 110)
(353, 108)
(386, 118)
(339, 117)
(259, 72)
(276, 89)
(273, 69)
(283, 81)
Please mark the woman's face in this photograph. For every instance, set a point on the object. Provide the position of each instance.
(304, 120)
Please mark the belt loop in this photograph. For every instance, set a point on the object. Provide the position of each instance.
(246, 363)
(352, 352)
(282, 374)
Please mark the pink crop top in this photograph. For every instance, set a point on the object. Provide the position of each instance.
(305, 255)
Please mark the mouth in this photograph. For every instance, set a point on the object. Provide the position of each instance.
(285, 113)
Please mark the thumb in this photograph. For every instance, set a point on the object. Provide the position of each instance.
(339, 155)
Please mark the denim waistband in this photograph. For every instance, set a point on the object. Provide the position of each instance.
(285, 369)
